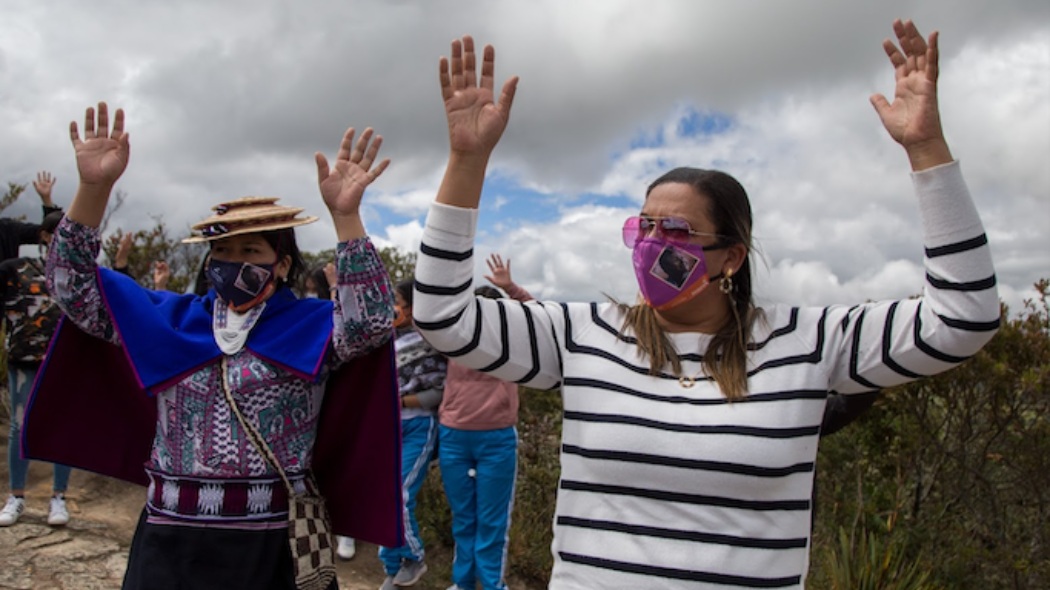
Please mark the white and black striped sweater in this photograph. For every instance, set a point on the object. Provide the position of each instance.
(668, 487)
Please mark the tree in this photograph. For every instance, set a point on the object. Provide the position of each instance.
(399, 265)
(13, 192)
(155, 244)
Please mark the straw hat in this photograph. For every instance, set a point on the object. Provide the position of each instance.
(246, 215)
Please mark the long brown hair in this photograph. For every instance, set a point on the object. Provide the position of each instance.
(725, 359)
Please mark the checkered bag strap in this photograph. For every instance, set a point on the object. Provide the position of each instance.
(309, 531)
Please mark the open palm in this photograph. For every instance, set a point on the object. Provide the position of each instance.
(475, 121)
(913, 117)
(102, 156)
(343, 184)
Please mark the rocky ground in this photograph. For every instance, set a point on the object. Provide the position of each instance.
(90, 553)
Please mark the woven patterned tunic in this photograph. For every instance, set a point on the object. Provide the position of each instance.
(197, 436)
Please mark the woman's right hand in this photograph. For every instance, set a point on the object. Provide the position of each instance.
(102, 156)
(475, 121)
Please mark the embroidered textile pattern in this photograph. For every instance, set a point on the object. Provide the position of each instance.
(208, 441)
(209, 499)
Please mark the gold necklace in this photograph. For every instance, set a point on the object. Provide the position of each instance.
(687, 382)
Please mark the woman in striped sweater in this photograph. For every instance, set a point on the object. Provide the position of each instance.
(691, 420)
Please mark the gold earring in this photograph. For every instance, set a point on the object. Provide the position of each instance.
(726, 284)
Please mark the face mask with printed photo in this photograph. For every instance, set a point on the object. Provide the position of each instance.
(669, 273)
(241, 284)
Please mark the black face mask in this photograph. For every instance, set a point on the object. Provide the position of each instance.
(242, 285)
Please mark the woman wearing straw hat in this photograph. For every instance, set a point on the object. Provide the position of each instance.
(216, 510)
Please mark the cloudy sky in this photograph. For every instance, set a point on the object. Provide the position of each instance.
(232, 98)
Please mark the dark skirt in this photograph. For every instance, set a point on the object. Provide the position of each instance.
(165, 557)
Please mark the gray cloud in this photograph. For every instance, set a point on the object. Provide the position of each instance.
(226, 99)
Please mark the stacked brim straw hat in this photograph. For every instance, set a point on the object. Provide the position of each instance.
(247, 215)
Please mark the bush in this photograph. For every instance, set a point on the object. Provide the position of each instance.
(960, 462)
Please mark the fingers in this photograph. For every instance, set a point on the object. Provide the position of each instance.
(118, 124)
(445, 79)
(375, 172)
(470, 78)
(89, 123)
(346, 145)
(362, 152)
(896, 57)
(933, 57)
(322, 167)
(880, 103)
(103, 120)
(96, 124)
(365, 154)
(456, 67)
(488, 67)
(506, 98)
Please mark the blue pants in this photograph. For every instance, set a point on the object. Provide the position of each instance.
(418, 440)
(481, 502)
(19, 383)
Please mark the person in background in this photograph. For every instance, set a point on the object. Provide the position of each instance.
(478, 439)
(421, 380)
(315, 282)
(161, 271)
(15, 233)
(691, 418)
(30, 318)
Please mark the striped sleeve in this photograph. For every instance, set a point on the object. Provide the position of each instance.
(889, 343)
(511, 340)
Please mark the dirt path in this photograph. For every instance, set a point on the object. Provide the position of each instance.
(90, 553)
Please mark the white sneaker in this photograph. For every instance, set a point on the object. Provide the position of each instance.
(12, 510)
(58, 514)
(346, 548)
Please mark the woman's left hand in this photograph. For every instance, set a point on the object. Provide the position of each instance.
(913, 118)
(343, 186)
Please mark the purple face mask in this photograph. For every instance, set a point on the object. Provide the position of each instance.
(670, 273)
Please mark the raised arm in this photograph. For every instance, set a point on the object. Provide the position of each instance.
(510, 340)
(364, 299)
(958, 311)
(43, 184)
(102, 156)
(501, 278)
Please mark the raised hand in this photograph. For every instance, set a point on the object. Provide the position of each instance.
(343, 185)
(500, 272)
(161, 275)
(102, 156)
(330, 275)
(120, 259)
(43, 184)
(475, 121)
(913, 118)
